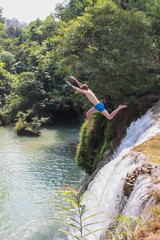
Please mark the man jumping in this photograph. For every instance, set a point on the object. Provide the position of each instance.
(98, 106)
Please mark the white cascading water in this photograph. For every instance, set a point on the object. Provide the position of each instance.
(107, 186)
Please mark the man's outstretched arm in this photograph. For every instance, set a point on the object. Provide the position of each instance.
(76, 88)
(73, 78)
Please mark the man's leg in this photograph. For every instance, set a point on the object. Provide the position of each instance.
(88, 114)
(111, 115)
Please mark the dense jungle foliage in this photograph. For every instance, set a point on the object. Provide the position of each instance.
(113, 46)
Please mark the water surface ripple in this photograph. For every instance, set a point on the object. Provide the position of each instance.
(31, 169)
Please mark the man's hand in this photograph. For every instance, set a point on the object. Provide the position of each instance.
(69, 83)
(76, 88)
(73, 78)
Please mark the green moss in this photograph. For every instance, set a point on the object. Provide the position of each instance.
(81, 146)
(105, 144)
(93, 143)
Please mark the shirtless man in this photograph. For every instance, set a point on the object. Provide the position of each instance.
(98, 106)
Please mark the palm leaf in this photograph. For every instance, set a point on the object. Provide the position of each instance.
(85, 196)
(91, 208)
(67, 223)
(65, 216)
(73, 202)
(79, 190)
(92, 232)
(73, 219)
(60, 191)
(83, 209)
(67, 209)
(89, 224)
(92, 216)
(70, 234)
(71, 189)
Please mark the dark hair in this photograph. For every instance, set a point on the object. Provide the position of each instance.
(84, 87)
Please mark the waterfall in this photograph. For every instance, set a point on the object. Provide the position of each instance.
(109, 182)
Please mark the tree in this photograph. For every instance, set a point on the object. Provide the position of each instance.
(110, 48)
(6, 81)
(10, 31)
(72, 9)
(30, 33)
(8, 59)
(29, 88)
(1, 17)
(140, 5)
(153, 12)
(48, 28)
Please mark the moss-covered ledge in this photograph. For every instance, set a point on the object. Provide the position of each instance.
(92, 144)
(106, 135)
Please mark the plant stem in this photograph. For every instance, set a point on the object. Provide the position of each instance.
(80, 219)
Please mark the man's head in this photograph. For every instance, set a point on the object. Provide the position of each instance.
(84, 87)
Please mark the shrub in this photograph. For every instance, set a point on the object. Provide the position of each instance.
(27, 124)
(126, 228)
(153, 220)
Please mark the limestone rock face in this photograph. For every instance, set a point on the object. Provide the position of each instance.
(145, 169)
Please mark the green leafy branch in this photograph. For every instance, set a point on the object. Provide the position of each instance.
(76, 213)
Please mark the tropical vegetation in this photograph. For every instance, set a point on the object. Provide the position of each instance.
(111, 45)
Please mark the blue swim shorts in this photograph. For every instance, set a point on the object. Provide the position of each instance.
(99, 107)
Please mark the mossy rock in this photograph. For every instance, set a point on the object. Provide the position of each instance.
(92, 144)
(106, 135)
(28, 132)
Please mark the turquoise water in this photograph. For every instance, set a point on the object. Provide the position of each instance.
(31, 169)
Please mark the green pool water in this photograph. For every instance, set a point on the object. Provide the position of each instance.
(31, 170)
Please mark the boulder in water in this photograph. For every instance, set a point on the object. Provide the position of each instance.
(28, 132)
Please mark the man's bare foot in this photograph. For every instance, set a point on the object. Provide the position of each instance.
(89, 129)
(122, 106)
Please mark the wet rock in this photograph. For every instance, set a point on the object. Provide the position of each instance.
(29, 133)
(131, 178)
(128, 188)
